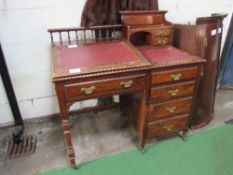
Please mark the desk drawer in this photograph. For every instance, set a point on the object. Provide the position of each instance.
(175, 75)
(105, 86)
(159, 41)
(167, 126)
(168, 92)
(162, 32)
(167, 109)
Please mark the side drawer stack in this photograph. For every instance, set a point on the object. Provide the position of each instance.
(160, 36)
(171, 99)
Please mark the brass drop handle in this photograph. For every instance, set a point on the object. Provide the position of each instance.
(173, 92)
(163, 42)
(88, 91)
(176, 77)
(163, 33)
(171, 109)
(126, 84)
(205, 41)
(168, 127)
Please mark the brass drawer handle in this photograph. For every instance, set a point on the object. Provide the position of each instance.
(171, 109)
(168, 128)
(205, 41)
(127, 84)
(163, 42)
(173, 92)
(163, 33)
(88, 91)
(176, 77)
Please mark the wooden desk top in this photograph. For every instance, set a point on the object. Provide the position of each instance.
(75, 60)
(108, 57)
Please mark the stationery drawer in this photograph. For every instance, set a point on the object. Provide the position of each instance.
(163, 93)
(159, 41)
(167, 126)
(105, 86)
(176, 107)
(162, 32)
(175, 75)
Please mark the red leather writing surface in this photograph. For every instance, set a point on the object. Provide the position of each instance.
(96, 55)
(165, 54)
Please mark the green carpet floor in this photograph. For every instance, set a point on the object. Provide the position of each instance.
(206, 153)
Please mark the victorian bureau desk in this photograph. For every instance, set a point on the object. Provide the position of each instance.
(156, 82)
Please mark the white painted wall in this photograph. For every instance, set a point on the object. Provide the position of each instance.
(26, 43)
(23, 25)
(185, 11)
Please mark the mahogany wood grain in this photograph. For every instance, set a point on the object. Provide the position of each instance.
(160, 37)
(171, 108)
(174, 75)
(157, 101)
(166, 31)
(158, 41)
(204, 40)
(66, 124)
(167, 126)
(173, 91)
(173, 78)
(83, 35)
(100, 83)
(152, 23)
(143, 18)
(103, 86)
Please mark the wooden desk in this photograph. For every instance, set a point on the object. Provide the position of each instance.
(174, 74)
(89, 71)
(173, 81)
(157, 83)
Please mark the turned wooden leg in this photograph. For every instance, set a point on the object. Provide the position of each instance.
(68, 139)
(185, 135)
(64, 106)
(142, 145)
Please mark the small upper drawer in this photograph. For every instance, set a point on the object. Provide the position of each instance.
(168, 109)
(105, 86)
(160, 37)
(159, 41)
(168, 92)
(162, 32)
(175, 75)
(167, 126)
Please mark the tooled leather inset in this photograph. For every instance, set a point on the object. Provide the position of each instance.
(168, 56)
(96, 58)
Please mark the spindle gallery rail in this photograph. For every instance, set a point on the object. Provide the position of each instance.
(63, 36)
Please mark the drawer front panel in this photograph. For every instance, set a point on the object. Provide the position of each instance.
(175, 75)
(162, 32)
(92, 88)
(167, 126)
(170, 108)
(163, 93)
(160, 41)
